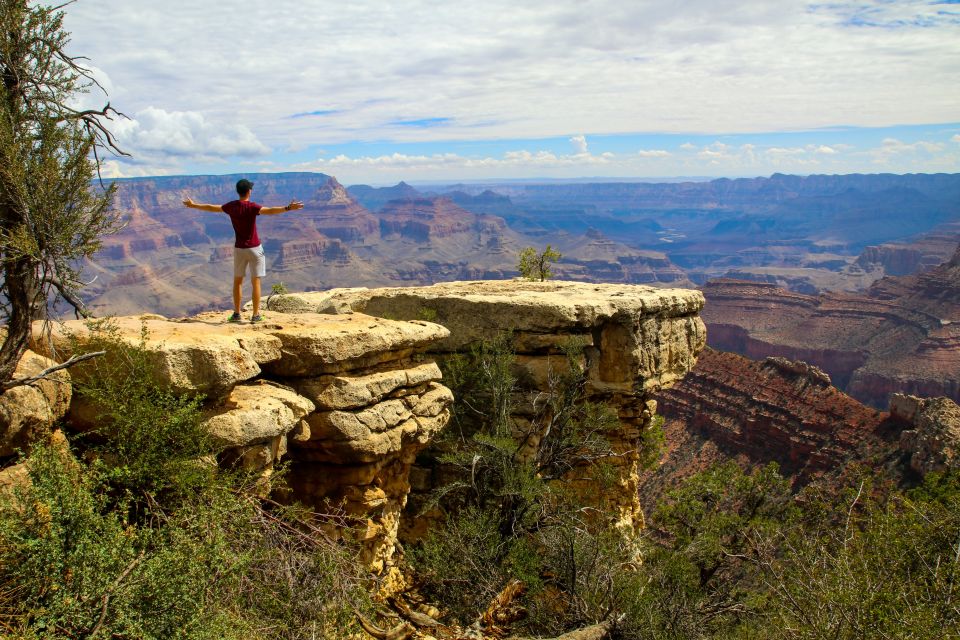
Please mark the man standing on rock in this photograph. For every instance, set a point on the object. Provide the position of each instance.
(247, 249)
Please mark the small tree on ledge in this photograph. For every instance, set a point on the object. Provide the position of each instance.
(536, 266)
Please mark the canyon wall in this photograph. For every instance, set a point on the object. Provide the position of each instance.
(772, 410)
(901, 335)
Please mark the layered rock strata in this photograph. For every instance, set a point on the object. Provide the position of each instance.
(637, 340)
(349, 400)
(774, 410)
(902, 335)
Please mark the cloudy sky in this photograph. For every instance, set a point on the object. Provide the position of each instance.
(379, 91)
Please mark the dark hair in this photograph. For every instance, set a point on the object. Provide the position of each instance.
(244, 186)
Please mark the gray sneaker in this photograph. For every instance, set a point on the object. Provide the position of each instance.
(257, 318)
(234, 318)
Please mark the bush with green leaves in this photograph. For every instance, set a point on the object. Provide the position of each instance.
(870, 566)
(517, 490)
(131, 532)
(700, 578)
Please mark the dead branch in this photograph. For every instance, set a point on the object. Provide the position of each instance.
(593, 632)
(400, 632)
(109, 592)
(19, 382)
(79, 308)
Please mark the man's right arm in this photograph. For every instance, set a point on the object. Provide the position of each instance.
(213, 208)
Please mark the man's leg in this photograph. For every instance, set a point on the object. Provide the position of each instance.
(237, 285)
(256, 295)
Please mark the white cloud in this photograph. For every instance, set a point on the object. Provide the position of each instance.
(653, 153)
(780, 151)
(579, 144)
(892, 146)
(956, 138)
(154, 132)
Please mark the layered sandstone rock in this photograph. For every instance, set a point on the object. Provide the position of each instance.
(636, 340)
(349, 400)
(774, 410)
(903, 335)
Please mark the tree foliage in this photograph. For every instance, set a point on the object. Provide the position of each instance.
(515, 503)
(50, 218)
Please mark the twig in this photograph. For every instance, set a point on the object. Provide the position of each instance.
(17, 382)
(853, 504)
(75, 302)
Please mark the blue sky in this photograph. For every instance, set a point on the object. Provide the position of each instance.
(422, 91)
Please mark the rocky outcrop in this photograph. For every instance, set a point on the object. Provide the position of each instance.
(349, 397)
(637, 340)
(775, 410)
(932, 437)
(903, 335)
(349, 400)
(423, 219)
(300, 254)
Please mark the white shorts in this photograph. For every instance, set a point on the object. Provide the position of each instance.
(253, 257)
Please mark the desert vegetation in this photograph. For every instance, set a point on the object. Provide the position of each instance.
(731, 553)
(132, 530)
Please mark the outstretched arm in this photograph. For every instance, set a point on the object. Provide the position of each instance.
(214, 208)
(293, 206)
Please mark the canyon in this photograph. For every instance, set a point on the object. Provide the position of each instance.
(901, 335)
(854, 274)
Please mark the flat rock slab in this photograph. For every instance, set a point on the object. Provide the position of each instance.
(206, 354)
(643, 337)
(479, 310)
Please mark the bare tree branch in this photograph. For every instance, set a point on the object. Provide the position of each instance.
(109, 592)
(66, 294)
(19, 382)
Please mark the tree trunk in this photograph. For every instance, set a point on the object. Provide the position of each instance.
(21, 291)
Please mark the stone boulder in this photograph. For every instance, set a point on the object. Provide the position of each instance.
(254, 413)
(28, 412)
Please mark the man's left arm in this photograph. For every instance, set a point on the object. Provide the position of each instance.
(293, 206)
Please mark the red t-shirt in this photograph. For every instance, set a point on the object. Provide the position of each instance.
(243, 214)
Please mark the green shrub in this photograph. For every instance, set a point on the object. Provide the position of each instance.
(517, 490)
(888, 566)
